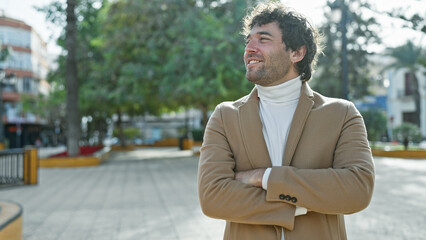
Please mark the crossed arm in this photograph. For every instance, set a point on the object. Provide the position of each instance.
(238, 196)
(222, 196)
(253, 177)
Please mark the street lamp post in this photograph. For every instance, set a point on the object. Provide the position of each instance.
(343, 22)
(341, 6)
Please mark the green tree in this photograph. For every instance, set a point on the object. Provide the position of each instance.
(87, 54)
(375, 122)
(73, 111)
(4, 52)
(412, 20)
(138, 56)
(204, 65)
(127, 76)
(361, 32)
(409, 57)
(407, 131)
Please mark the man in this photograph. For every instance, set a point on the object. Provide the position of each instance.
(284, 161)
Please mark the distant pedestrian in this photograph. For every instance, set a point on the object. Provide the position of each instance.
(284, 161)
(38, 143)
(405, 142)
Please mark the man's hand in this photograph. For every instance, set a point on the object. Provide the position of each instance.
(253, 177)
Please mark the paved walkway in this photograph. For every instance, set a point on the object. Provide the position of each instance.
(152, 194)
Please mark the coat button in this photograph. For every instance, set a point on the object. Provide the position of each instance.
(293, 200)
(288, 197)
(282, 196)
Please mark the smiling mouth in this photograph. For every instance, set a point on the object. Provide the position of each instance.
(251, 62)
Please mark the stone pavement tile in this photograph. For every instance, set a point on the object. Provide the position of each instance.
(103, 234)
(134, 197)
(162, 231)
(41, 235)
(137, 232)
(213, 228)
(79, 224)
(398, 209)
(68, 235)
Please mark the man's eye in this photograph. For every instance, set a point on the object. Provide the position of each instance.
(264, 39)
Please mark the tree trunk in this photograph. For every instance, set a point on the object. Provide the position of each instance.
(416, 96)
(100, 126)
(188, 133)
(73, 113)
(204, 110)
(120, 129)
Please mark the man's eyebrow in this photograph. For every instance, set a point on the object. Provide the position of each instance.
(264, 33)
(259, 33)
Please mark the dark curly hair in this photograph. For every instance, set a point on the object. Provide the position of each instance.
(296, 32)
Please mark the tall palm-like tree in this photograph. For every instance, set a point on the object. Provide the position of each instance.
(72, 109)
(4, 53)
(408, 57)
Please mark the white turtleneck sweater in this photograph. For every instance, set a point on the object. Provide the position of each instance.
(276, 108)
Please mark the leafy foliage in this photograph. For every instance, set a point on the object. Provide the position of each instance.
(413, 21)
(130, 133)
(204, 64)
(407, 130)
(375, 122)
(4, 52)
(138, 56)
(406, 56)
(409, 57)
(361, 32)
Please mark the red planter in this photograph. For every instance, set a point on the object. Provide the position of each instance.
(84, 151)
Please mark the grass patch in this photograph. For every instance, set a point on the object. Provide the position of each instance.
(393, 146)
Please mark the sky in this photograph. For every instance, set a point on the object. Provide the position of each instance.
(391, 32)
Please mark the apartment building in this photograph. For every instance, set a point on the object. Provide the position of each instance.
(24, 73)
(400, 98)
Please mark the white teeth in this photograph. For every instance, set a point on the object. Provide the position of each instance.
(253, 61)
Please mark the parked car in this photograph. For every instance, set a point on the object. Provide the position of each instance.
(111, 141)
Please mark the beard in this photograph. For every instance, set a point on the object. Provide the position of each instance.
(272, 70)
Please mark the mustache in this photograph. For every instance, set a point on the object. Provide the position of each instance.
(255, 56)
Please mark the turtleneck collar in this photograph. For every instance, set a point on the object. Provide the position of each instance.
(284, 92)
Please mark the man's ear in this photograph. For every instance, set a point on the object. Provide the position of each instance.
(298, 55)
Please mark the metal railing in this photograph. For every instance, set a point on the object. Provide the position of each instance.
(12, 166)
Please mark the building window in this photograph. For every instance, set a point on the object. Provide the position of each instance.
(410, 117)
(26, 85)
(408, 85)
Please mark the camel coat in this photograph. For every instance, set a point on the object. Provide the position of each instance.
(327, 168)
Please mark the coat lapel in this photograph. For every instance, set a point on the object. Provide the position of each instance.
(301, 114)
(251, 132)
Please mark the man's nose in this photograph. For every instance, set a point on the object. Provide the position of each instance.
(250, 47)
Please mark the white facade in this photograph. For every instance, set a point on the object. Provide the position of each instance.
(28, 64)
(39, 62)
(167, 125)
(15, 36)
(399, 103)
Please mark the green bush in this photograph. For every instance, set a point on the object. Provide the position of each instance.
(129, 133)
(197, 134)
(409, 130)
(375, 121)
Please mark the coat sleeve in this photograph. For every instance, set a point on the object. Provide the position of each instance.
(225, 198)
(345, 188)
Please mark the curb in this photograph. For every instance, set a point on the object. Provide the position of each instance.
(10, 220)
(70, 162)
(421, 154)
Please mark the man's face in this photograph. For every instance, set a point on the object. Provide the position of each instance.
(266, 59)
